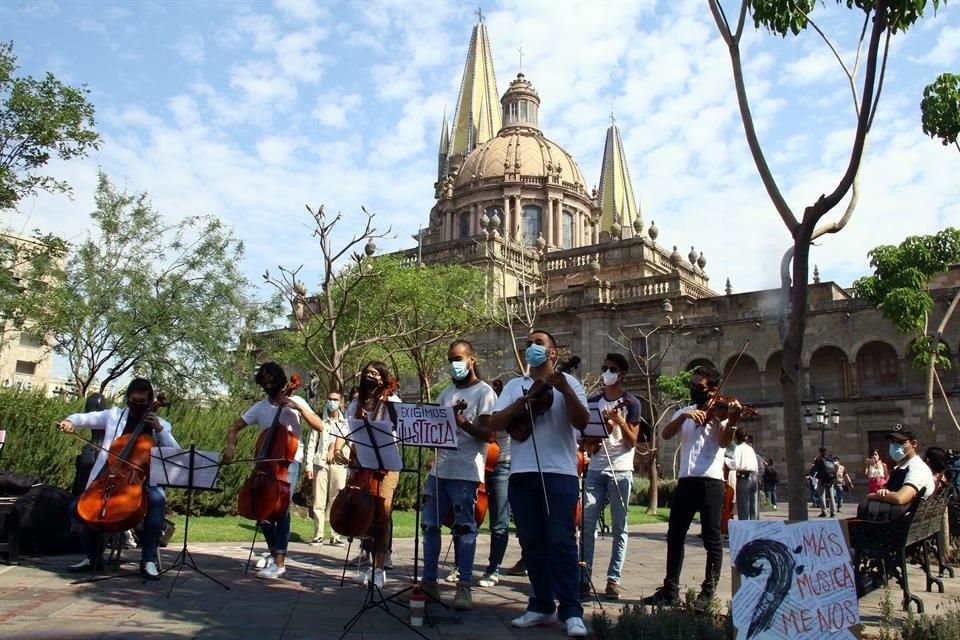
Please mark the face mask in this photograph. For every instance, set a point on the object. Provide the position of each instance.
(459, 370)
(698, 395)
(333, 405)
(367, 384)
(610, 378)
(897, 451)
(137, 409)
(535, 355)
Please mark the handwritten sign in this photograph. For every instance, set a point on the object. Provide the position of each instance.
(426, 425)
(796, 580)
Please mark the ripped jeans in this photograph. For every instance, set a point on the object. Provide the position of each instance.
(440, 497)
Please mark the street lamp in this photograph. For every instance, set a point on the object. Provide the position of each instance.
(826, 420)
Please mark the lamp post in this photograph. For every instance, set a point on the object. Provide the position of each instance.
(825, 420)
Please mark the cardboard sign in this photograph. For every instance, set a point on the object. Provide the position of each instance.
(426, 425)
(792, 580)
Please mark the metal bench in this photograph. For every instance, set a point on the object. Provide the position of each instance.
(881, 550)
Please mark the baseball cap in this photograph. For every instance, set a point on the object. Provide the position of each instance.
(900, 433)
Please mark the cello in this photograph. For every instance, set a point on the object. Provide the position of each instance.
(116, 500)
(266, 493)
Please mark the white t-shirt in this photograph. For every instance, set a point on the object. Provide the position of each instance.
(701, 455)
(262, 414)
(466, 462)
(745, 458)
(556, 438)
(614, 454)
(919, 475)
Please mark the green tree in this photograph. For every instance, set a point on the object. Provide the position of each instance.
(877, 22)
(898, 288)
(940, 109)
(39, 119)
(146, 297)
(29, 267)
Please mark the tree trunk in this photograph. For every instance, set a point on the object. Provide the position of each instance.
(424, 386)
(791, 376)
(932, 365)
(654, 497)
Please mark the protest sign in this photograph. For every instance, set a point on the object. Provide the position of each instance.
(795, 581)
(426, 425)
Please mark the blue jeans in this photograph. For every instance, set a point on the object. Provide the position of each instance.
(277, 533)
(92, 541)
(599, 486)
(459, 496)
(497, 483)
(548, 543)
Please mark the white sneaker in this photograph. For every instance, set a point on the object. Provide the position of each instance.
(150, 571)
(489, 579)
(363, 578)
(532, 619)
(379, 576)
(576, 628)
(272, 572)
(265, 560)
(454, 577)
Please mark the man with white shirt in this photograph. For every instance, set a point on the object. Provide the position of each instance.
(910, 476)
(114, 423)
(543, 484)
(704, 438)
(745, 464)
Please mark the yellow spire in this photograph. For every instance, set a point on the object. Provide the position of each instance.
(477, 118)
(616, 190)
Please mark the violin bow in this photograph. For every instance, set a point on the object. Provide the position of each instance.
(102, 448)
(726, 376)
(536, 451)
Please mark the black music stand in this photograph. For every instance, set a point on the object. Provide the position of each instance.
(179, 469)
(376, 448)
(585, 577)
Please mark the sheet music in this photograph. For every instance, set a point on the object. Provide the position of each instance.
(170, 467)
(596, 427)
(384, 442)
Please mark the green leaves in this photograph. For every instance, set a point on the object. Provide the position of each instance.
(792, 16)
(940, 109)
(39, 119)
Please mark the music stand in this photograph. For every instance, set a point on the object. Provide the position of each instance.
(376, 448)
(191, 470)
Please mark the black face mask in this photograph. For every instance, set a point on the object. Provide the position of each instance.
(367, 385)
(698, 395)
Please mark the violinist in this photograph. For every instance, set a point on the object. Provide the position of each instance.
(704, 438)
(115, 423)
(543, 486)
(272, 379)
(610, 474)
(375, 393)
(456, 474)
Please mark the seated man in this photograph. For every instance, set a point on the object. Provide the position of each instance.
(910, 476)
(114, 423)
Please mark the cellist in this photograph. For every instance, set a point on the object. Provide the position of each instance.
(456, 475)
(115, 423)
(272, 379)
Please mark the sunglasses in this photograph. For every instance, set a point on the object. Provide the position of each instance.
(610, 369)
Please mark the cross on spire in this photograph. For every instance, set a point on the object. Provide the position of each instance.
(520, 51)
(479, 13)
(613, 121)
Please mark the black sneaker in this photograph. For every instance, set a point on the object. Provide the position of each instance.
(613, 590)
(703, 601)
(662, 597)
(517, 570)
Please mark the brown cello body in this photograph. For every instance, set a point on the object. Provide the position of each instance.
(266, 493)
(353, 510)
(116, 500)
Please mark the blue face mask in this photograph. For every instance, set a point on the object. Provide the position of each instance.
(896, 451)
(459, 370)
(535, 355)
(333, 405)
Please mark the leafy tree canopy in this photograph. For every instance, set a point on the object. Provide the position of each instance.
(39, 119)
(940, 109)
(792, 16)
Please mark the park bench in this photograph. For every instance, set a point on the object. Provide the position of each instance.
(881, 549)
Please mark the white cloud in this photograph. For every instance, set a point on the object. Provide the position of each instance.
(308, 10)
(191, 47)
(333, 109)
(946, 51)
(277, 150)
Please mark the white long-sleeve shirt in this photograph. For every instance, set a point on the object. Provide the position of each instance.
(112, 423)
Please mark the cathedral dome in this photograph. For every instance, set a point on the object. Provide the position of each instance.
(520, 152)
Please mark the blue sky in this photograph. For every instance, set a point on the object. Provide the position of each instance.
(250, 110)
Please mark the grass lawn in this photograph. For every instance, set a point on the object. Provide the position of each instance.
(237, 529)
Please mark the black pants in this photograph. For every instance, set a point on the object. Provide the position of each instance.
(706, 496)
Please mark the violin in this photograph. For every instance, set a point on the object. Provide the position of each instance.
(717, 403)
(116, 500)
(592, 444)
(539, 400)
(266, 493)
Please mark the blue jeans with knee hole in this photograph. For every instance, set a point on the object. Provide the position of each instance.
(598, 487)
(439, 498)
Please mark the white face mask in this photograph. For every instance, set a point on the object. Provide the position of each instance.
(610, 378)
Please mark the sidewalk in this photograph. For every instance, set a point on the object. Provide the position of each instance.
(38, 599)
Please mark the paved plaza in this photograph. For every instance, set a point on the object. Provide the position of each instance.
(38, 599)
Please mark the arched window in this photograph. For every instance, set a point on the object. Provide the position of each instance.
(531, 224)
(568, 229)
(878, 368)
(523, 111)
(828, 373)
(465, 224)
